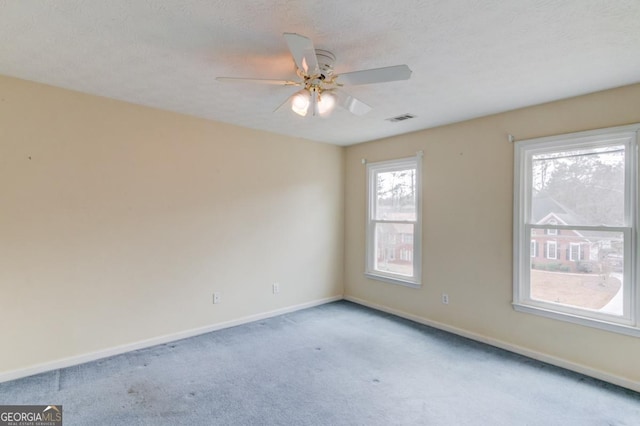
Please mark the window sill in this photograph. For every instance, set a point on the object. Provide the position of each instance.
(392, 280)
(575, 319)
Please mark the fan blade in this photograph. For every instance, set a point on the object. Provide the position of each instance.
(351, 104)
(288, 100)
(259, 80)
(284, 103)
(303, 52)
(377, 75)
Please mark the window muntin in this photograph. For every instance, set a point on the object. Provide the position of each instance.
(393, 225)
(575, 196)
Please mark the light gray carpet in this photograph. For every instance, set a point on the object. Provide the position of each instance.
(337, 364)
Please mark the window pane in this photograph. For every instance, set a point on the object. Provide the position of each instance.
(394, 248)
(586, 272)
(579, 187)
(395, 195)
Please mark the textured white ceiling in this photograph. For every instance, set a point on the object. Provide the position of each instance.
(469, 57)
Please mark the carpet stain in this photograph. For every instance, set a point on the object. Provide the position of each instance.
(376, 381)
(144, 395)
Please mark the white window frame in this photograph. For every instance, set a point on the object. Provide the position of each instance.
(534, 248)
(372, 169)
(629, 322)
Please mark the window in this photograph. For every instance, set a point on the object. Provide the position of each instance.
(580, 190)
(552, 231)
(552, 250)
(574, 252)
(534, 248)
(394, 194)
(405, 255)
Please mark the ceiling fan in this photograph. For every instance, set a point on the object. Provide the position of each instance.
(321, 91)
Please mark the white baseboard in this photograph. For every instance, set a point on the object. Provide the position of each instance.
(559, 362)
(117, 350)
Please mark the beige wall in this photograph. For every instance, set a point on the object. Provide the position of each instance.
(118, 222)
(467, 240)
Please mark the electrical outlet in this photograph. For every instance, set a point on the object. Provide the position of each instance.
(276, 288)
(216, 298)
(445, 299)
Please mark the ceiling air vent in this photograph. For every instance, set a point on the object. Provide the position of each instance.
(401, 118)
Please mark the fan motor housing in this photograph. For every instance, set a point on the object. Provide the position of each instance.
(326, 60)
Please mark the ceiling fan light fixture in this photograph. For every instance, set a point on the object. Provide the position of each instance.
(326, 103)
(300, 103)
